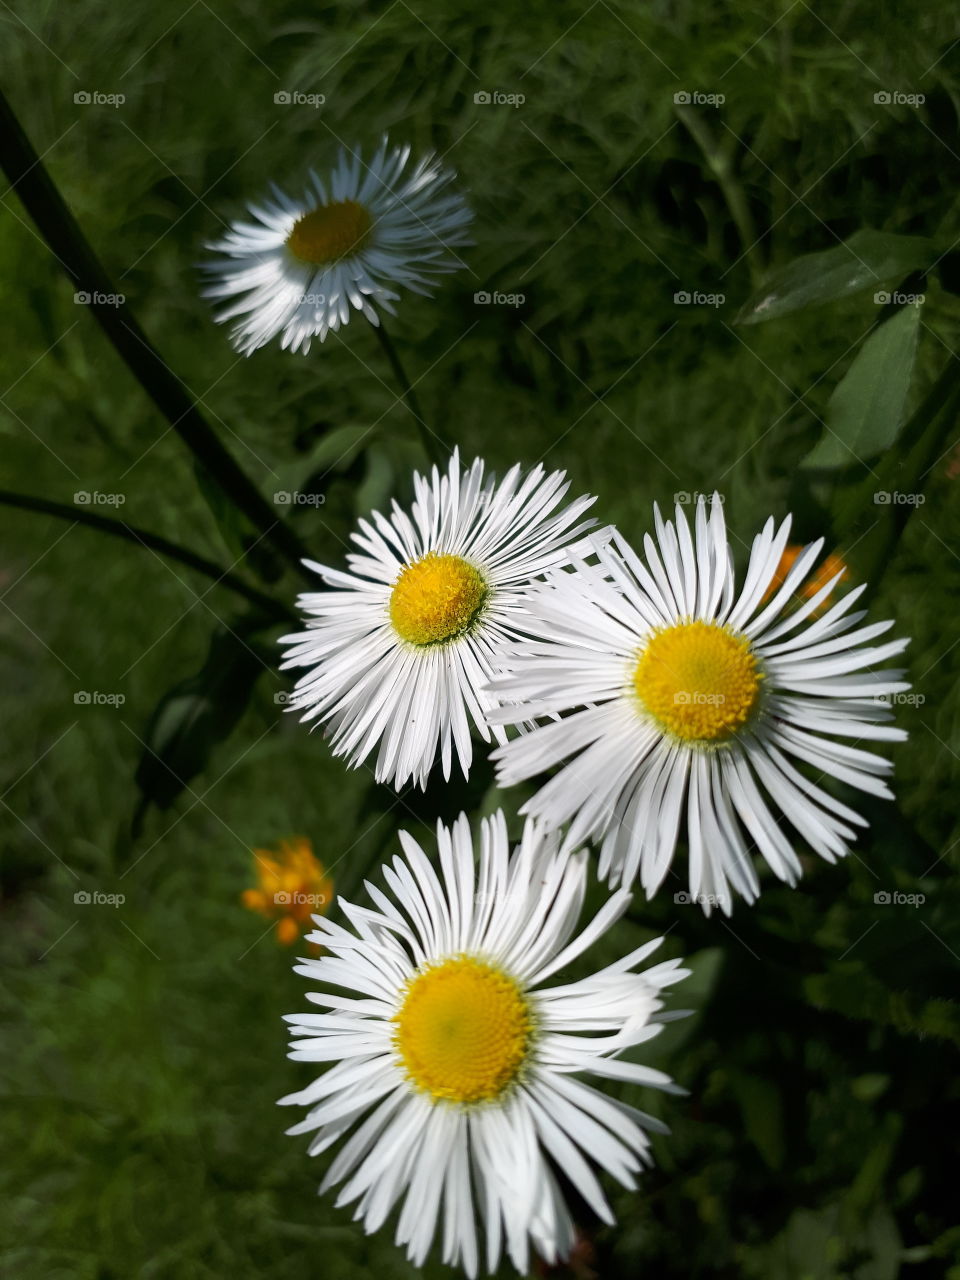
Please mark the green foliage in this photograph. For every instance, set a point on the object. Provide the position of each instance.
(866, 410)
(866, 260)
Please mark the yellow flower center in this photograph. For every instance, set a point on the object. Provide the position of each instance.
(463, 1031)
(436, 599)
(330, 232)
(698, 680)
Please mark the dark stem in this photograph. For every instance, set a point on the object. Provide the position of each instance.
(59, 228)
(434, 445)
(140, 537)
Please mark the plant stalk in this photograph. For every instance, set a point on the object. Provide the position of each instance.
(163, 546)
(58, 227)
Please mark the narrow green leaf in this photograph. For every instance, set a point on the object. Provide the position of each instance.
(192, 717)
(866, 411)
(866, 261)
(245, 545)
(762, 1111)
(334, 451)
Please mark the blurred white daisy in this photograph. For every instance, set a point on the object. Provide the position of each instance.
(459, 1065)
(682, 702)
(353, 238)
(402, 648)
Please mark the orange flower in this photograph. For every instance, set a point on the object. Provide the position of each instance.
(292, 886)
(831, 566)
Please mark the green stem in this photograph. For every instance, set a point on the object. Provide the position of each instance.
(140, 537)
(718, 161)
(43, 202)
(434, 445)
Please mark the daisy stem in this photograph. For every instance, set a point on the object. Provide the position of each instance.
(152, 542)
(434, 445)
(59, 229)
(720, 164)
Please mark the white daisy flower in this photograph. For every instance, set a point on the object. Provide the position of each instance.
(459, 1065)
(683, 701)
(351, 240)
(402, 648)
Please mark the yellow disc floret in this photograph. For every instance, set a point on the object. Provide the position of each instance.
(330, 232)
(463, 1030)
(700, 681)
(436, 599)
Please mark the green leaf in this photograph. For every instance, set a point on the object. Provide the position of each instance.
(192, 718)
(694, 993)
(850, 990)
(762, 1111)
(334, 451)
(866, 410)
(378, 483)
(240, 538)
(865, 261)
